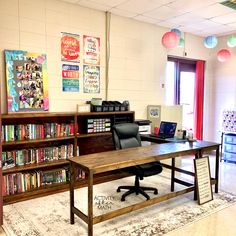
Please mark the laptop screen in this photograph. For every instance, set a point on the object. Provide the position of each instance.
(167, 129)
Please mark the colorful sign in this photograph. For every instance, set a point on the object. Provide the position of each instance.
(70, 47)
(91, 79)
(27, 81)
(91, 50)
(70, 78)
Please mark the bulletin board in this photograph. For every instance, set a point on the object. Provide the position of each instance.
(27, 81)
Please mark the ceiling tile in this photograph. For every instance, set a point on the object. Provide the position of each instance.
(71, 1)
(185, 6)
(162, 13)
(140, 6)
(233, 25)
(146, 19)
(203, 25)
(225, 19)
(221, 30)
(93, 5)
(111, 3)
(123, 12)
(212, 11)
(168, 24)
(187, 18)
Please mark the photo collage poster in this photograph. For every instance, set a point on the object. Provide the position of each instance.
(27, 81)
(91, 67)
(70, 57)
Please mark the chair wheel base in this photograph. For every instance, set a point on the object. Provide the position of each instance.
(155, 192)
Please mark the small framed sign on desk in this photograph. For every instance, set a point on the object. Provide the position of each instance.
(203, 180)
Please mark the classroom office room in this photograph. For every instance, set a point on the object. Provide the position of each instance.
(71, 70)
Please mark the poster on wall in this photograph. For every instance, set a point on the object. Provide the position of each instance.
(91, 79)
(70, 78)
(27, 81)
(70, 47)
(91, 53)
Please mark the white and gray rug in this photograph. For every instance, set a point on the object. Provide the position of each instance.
(48, 216)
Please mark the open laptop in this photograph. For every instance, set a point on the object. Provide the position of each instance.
(167, 130)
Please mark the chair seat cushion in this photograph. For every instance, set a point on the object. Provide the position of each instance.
(146, 169)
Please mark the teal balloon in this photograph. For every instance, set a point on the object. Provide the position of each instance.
(178, 32)
(210, 41)
(181, 42)
(231, 41)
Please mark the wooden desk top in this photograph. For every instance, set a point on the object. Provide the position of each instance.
(154, 138)
(117, 159)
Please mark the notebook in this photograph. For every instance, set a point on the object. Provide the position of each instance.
(167, 130)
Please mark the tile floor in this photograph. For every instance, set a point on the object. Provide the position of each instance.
(219, 223)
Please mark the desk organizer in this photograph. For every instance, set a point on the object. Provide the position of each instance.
(98, 125)
(109, 106)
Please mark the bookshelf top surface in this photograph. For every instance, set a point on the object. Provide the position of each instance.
(60, 114)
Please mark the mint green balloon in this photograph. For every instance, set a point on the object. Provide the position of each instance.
(231, 41)
(181, 42)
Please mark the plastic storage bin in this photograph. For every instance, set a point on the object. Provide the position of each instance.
(230, 147)
(230, 138)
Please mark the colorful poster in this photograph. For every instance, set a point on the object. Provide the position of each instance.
(91, 50)
(91, 79)
(27, 81)
(70, 78)
(70, 47)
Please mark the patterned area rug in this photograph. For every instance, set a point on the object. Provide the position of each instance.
(50, 215)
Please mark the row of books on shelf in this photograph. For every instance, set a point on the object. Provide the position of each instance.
(37, 155)
(22, 182)
(36, 131)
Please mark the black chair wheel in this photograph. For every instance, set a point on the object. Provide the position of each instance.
(122, 199)
(155, 192)
(118, 190)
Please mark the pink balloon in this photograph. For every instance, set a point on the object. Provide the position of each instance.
(223, 55)
(170, 40)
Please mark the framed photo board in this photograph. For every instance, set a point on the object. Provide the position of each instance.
(203, 180)
(27, 81)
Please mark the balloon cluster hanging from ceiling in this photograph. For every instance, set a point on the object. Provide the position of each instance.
(172, 39)
(223, 54)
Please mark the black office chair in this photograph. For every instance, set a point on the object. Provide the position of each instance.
(127, 136)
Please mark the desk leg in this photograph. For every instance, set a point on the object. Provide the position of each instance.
(90, 204)
(72, 182)
(217, 170)
(172, 188)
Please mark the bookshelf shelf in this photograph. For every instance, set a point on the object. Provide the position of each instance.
(61, 187)
(93, 135)
(80, 135)
(35, 166)
(36, 141)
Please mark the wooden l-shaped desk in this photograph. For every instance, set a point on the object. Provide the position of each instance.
(112, 160)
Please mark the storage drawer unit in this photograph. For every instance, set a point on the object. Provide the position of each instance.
(230, 147)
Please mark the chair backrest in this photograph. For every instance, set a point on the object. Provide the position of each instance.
(126, 135)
